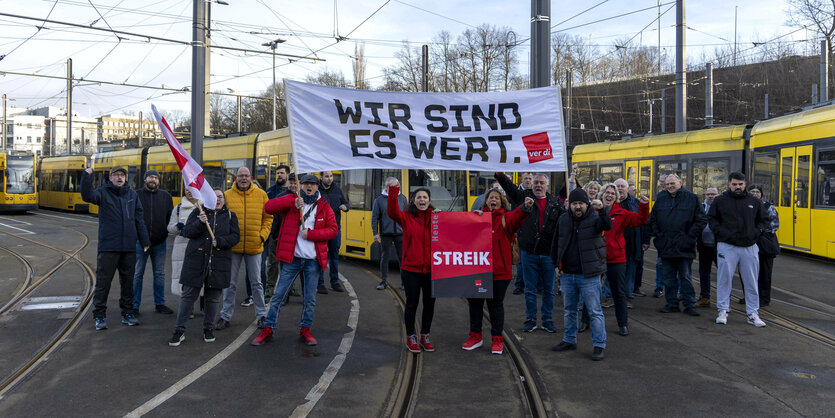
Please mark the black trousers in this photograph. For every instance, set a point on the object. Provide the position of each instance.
(707, 259)
(106, 265)
(386, 241)
(764, 280)
(495, 307)
(639, 271)
(415, 284)
(616, 275)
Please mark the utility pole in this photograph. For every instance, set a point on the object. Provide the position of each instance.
(650, 102)
(272, 45)
(239, 114)
(4, 125)
(424, 69)
(664, 111)
(140, 129)
(540, 43)
(681, 70)
(767, 113)
(736, 9)
(567, 107)
(824, 81)
(198, 80)
(69, 106)
(709, 95)
(814, 93)
(659, 36)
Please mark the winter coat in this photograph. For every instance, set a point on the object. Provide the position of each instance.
(634, 238)
(381, 224)
(157, 208)
(204, 263)
(502, 251)
(416, 234)
(589, 231)
(532, 238)
(333, 195)
(737, 220)
(255, 222)
(324, 228)
(676, 221)
(179, 214)
(121, 221)
(706, 238)
(621, 220)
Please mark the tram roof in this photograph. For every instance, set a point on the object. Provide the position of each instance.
(806, 125)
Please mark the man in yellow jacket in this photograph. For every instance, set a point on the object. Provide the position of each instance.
(247, 202)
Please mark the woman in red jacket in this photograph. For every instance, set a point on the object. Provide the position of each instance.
(415, 264)
(615, 252)
(505, 225)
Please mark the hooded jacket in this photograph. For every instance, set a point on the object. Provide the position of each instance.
(416, 234)
(121, 219)
(621, 220)
(677, 221)
(324, 228)
(737, 220)
(502, 251)
(202, 260)
(156, 206)
(254, 221)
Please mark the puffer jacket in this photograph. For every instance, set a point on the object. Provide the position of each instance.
(416, 234)
(121, 219)
(621, 220)
(737, 220)
(677, 221)
(204, 262)
(502, 251)
(324, 228)
(592, 245)
(179, 214)
(255, 222)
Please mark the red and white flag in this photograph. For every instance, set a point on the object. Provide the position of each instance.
(192, 172)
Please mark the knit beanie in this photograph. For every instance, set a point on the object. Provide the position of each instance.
(578, 195)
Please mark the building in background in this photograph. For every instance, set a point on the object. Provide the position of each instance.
(123, 131)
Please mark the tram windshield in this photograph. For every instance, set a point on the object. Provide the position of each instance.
(20, 174)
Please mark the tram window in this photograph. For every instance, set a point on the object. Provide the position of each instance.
(786, 182)
(677, 167)
(20, 174)
(610, 173)
(709, 173)
(448, 187)
(645, 183)
(133, 178)
(171, 180)
(480, 181)
(802, 186)
(586, 174)
(2, 180)
(632, 174)
(60, 181)
(384, 174)
(74, 181)
(262, 170)
(825, 178)
(765, 174)
(216, 176)
(357, 188)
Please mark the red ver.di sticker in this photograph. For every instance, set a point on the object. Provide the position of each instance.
(538, 147)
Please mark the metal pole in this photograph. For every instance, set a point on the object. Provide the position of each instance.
(198, 80)
(663, 111)
(567, 107)
(69, 105)
(681, 70)
(736, 9)
(766, 106)
(424, 71)
(824, 81)
(540, 43)
(4, 124)
(239, 114)
(659, 36)
(140, 129)
(814, 93)
(709, 95)
(272, 45)
(649, 102)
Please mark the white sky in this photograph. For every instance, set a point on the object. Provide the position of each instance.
(308, 25)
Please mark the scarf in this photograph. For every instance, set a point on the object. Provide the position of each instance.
(310, 199)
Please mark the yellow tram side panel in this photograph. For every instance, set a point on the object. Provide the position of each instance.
(17, 201)
(102, 162)
(62, 199)
(785, 133)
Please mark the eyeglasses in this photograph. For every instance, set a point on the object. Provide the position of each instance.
(244, 176)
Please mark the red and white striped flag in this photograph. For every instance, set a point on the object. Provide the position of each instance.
(192, 172)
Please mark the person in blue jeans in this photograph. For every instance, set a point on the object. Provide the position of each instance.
(157, 207)
(579, 249)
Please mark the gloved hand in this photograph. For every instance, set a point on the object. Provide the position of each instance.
(180, 226)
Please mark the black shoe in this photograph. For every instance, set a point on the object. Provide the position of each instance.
(669, 309)
(558, 292)
(221, 324)
(164, 310)
(548, 326)
(623, 331)
(261, 322)
(177, 338)
(337, 287)
(529, 325)
(691, 312)
(321, 289)
(742, 301)
(564, 346)
(764, 304)
(584, 326)
(598, 354)
(658, 292)
(208, 336)
(382, 286)
(518, 291)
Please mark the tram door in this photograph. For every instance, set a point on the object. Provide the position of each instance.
(795, 195)
(639, 173)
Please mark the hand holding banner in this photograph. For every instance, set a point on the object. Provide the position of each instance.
(462, 255)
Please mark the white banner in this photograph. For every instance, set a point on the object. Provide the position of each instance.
(333, 128)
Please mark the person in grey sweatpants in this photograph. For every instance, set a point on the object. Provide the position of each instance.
(737, 219)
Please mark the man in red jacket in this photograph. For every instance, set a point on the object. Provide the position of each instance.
(307, 224)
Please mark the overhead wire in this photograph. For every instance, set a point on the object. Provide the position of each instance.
(32, 35)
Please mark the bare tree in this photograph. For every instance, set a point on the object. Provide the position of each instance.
(328, 78)
(359, 66)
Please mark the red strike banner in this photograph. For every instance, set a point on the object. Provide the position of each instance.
(462, 255)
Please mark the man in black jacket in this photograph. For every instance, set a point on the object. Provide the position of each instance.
(121, 223)
(387, 232)
(579, 251)
(676, 221)
(737, 219)
(535, 238)
(333, 194)
(157, 207)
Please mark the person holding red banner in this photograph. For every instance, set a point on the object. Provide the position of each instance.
(416, 262)
(615, 249)
(505, 225)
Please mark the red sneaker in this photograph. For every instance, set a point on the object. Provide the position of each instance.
(473, 342)
(498, 345)
(307, 336)
(425, 343)
(412, 344)
(265, 335)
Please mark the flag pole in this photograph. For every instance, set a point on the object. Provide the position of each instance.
(200, 207)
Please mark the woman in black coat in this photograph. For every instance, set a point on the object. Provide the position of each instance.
(207, 265)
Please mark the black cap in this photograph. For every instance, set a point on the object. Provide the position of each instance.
(578, 195)
(152, 172)
(309, 178)
(292, 176)
(118, 168)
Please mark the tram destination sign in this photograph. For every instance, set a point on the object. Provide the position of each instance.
(336, 129)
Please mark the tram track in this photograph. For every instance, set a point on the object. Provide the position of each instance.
(30, 276)
(69, 326)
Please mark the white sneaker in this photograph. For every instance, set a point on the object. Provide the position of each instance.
(723, 317)
(754, 319)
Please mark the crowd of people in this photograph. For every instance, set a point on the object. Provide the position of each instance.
(586, 245)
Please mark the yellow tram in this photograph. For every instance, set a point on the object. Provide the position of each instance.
(18, 184)
(59, 182)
